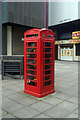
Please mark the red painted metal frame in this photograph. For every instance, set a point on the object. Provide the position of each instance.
(39, 90)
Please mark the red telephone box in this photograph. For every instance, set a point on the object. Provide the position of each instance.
(39, 62)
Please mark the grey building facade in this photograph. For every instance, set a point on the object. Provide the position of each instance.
(18, 17)
(64, 18)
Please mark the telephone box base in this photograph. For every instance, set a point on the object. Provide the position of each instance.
(39, 95)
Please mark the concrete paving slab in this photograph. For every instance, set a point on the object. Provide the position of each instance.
(26, 113)
(16, 96)
(62, 96)
(76, 111)
(6, 101)
(4, 113)
(53, 101)
(73, 100)
(40, 106)
(72, 115)
(13, 106)
(27, 101)
(42, 116)
(8, 92)
(67, 106)
(61, 104)
(56, 113)
(9, 116)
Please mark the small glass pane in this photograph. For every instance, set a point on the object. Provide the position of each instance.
(47, 83)
(32, 55)
(32, 77)
(32, 50)
(47, 49)
(32, 61)
(31, 66)
(32, 44)
(31, 72)
(48, 72)
(31, 83)
(47, 61)
(47, 44)
(47, 66)
(47, 55)
(47, 77)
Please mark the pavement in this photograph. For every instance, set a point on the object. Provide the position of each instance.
(61, 104)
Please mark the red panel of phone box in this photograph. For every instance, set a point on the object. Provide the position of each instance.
(39, 62)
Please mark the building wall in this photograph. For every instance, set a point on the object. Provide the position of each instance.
(17, 35)
(24, 13)
(9, 40)
(0, 41)
(75, 57)
(79, 9)
(4, 39)
(0, 28)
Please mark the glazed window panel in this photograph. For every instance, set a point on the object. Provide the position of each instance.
(32, 72)
(32, 61)
(47, 61)
(32, 44)
(47, 55)
(47, 66)
(47, 83)
(47, 44)
(32, 77)
(32, 67)
(32, 50)
(32, 83)
(48, 77)
(32, 55)
(47, 49)
(47, 72)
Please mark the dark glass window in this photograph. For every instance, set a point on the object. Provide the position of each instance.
(31, 61)
(32, 35)
(47, 55)
(47, 61)
(32, 44)
(31, 66)
(78, 49)
(47, 66)
(48, 72)
(47, 49)
(47, 44)
(32, 56)
(32, 49)
(47, 83)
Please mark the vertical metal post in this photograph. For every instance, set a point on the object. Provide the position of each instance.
(45, 19)
(0, 40)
